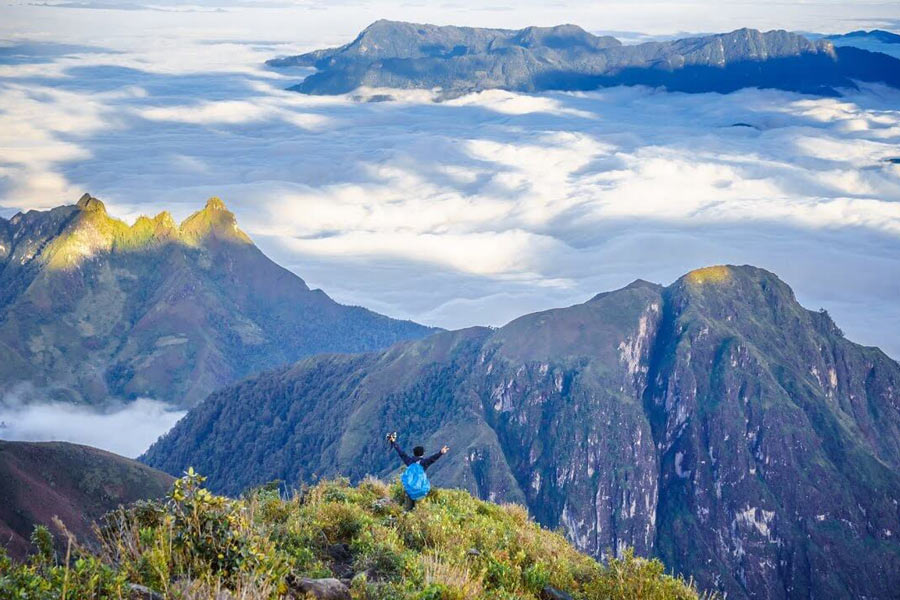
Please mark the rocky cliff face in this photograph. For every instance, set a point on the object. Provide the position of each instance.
(94, 310)
(458, 60)
(715, 423)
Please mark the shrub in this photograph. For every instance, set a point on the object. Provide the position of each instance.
(196, 545)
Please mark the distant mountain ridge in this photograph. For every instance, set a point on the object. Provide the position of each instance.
(715, 423)
(459, 60)
(881, 35)
(95, 311)
(876, 40)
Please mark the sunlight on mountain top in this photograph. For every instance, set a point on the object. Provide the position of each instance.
(716, 274)
(92, 231)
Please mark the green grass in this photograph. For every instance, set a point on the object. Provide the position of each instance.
(451, 547)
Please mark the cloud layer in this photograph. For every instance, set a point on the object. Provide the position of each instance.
(127, 430)
(470, 211)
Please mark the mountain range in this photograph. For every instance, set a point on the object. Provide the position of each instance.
(714, 423)
(459, 60)
(880, 35)
(96, 311)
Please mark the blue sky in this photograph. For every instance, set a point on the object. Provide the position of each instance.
(472, 211)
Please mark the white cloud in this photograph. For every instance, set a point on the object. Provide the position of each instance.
(467, 211)
(127, 430)
(234, 112)
(516, 104)
(510, 253)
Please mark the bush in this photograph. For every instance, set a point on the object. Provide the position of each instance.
(451, 547)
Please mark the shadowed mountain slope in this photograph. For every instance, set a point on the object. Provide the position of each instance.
(78, 484)
(459, 60)
(93, 310)
(715, 423)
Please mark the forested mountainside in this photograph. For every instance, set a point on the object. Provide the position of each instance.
(93, 310)
(459, 60)
(77, 484)
(714, 423)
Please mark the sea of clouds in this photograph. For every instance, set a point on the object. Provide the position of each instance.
(126, 429)
(470, 211)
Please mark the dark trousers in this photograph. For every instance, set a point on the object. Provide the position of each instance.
(408, 503)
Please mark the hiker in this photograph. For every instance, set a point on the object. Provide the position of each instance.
(415, 482)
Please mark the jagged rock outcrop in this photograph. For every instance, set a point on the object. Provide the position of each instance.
(459, 60)
(95, 311)
(715, 423)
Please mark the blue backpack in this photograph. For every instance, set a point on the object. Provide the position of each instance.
(415, 481)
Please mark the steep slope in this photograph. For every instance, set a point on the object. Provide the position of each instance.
(93, 310)
(459, 60)
(78, 484)
(714, 422)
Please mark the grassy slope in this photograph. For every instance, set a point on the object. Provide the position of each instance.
(451, 547)
(76, 483)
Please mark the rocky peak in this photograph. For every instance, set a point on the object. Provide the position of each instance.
(63, 238)
(215, 221)
(740, 283)
(642, 283)
(88, 203)
(735, 295)
(562, 36)
(165, 220)
(637, 284)
(215, 203)
(708, 275)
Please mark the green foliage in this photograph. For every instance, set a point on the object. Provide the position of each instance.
(634, 578)
(44, 578)
(451, 547)
(42, 540)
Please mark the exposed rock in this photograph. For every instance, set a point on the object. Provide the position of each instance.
(321, 589)
(340, 553)
(342, 560)
(88, 203)
(140, 592)
(551, 593)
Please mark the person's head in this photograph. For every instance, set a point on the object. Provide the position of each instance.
(418, 451)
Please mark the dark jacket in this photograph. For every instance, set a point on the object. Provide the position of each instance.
(425, 461)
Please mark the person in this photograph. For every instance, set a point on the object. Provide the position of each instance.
(415, 482)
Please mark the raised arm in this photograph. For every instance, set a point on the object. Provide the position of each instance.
(403, 455)
(427, 462)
